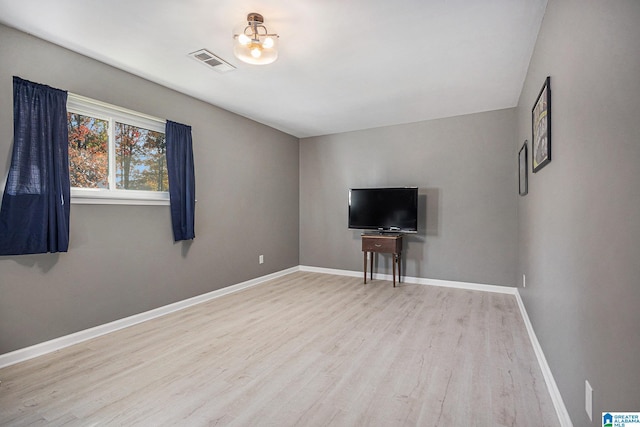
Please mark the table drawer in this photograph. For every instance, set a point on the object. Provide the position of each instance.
(380, 244)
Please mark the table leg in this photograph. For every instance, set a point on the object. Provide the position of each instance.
(365, 267)
(394, 269)
(371, 276)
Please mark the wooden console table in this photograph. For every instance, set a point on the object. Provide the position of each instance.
(382, 243)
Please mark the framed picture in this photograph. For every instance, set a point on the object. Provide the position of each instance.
(541, 128)
(522, 168)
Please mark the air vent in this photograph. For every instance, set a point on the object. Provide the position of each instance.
(205, 57)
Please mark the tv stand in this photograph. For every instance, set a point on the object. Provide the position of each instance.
(387, 243)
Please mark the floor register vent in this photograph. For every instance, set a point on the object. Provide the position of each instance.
(205, 57)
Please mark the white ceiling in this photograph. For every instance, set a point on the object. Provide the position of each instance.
(343, 64)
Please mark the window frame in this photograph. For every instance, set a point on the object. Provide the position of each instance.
(111, 113)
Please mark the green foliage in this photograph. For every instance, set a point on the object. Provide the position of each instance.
(140, 159)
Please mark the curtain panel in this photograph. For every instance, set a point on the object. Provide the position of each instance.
(182, 183)
(34, 217)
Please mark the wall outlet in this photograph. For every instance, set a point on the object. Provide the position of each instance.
(524, 280)
(588, 399)
(261, 259)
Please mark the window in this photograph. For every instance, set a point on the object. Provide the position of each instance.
(115, 155)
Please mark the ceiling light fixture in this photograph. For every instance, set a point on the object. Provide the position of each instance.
(252, 42)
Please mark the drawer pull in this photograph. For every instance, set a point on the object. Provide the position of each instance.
(377, 245)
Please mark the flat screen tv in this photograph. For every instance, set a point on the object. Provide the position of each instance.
(384, 209)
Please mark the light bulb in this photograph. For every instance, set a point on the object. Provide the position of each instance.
(243, 39)
(252, 42)
(268, 43)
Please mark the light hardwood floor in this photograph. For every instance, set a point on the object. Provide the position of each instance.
(305, 349)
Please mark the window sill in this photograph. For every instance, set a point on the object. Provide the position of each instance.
(101, 197)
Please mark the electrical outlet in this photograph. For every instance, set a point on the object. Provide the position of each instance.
(588, 399)
(524, 280)
(261, 259)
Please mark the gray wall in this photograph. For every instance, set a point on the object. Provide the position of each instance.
(579, 227)
(122, 259)
(466, 170)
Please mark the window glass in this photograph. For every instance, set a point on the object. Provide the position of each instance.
(116, 156)
(88, 151)
(140, 159)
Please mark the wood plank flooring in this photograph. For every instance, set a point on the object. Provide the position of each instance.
(306, 349)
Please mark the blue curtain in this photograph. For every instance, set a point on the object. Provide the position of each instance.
(182, 182)
(34, 217)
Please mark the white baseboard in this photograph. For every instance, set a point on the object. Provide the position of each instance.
(87, 334)
(417, 280)
(322, 270)
(556, 397)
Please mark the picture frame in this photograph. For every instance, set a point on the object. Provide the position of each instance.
(541, 128)
(523, 164)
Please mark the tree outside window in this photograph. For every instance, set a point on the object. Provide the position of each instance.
(115, 153)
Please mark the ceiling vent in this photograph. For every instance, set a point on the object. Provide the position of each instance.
(209, 59)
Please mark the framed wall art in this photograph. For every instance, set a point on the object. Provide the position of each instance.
(541, 128)
(523, 184)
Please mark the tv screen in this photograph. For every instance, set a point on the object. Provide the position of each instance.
(384, 209)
